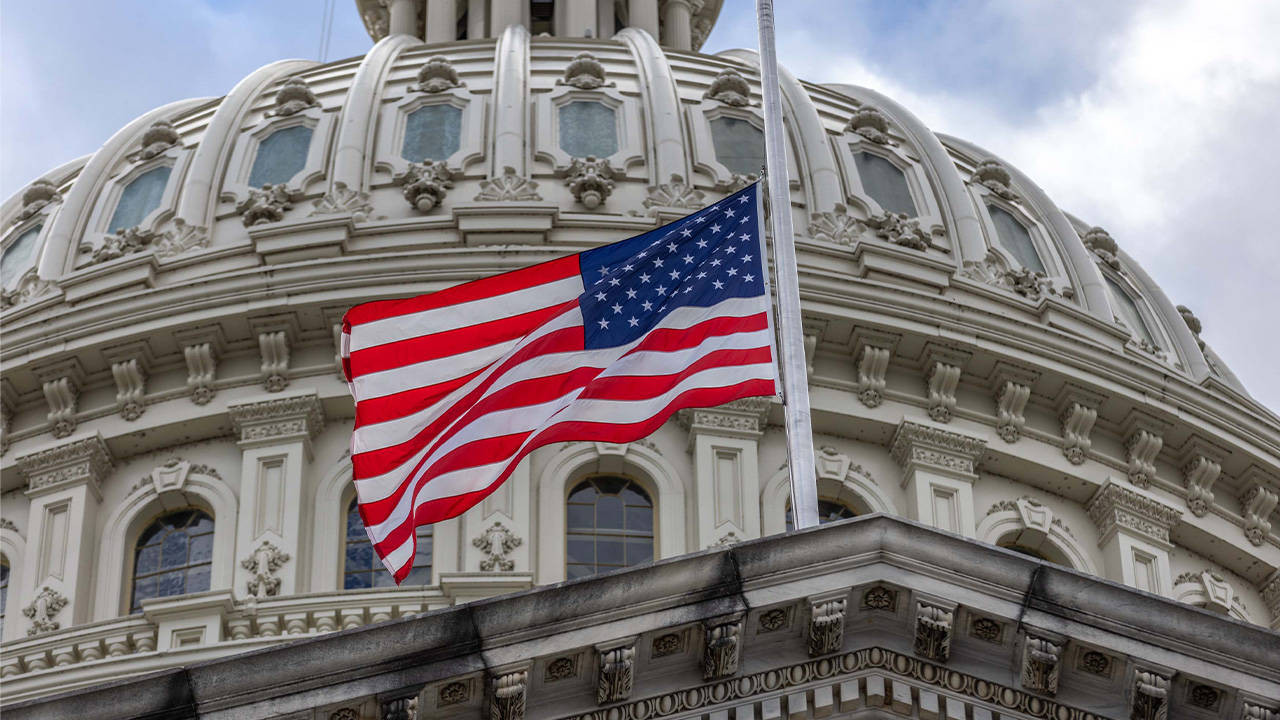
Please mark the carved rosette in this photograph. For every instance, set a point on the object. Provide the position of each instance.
(871, 124)
(43, 610)
(584, 72)
(509, 693)
(730, 88)
(436, 75)
(995, 178)
(826, 626)
(496, 543)
(721, 652)
(590, 179)
(508, 187)
(263, 564)
(617, 672)
(424, 185)
(294, 96)
(933, 631)
(675, 194)
(1113, 507)
(266, 204)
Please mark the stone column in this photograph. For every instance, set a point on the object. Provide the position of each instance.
(643, 14)
(476, 13)
(442, 20)
(677, 30)
(404, 17)
(273, 530)
(939, 469)
(505, 14)
(1133, 533)
(724, 442)
(64, 485)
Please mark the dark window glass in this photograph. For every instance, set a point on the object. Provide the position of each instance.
(739, 145)
(1127, 310)
(18, 256)
(4, 590)
(1024, 550)
(281, 155)
(1016, 239)
(828, 511)
(432, 132)
(588, 128)
(363, 569)
(139, 198)
(885, 183)
(610, 525)
(542, 17)
(173, 557)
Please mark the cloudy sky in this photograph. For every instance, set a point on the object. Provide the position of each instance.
(1156, 119)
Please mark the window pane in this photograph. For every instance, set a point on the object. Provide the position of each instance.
(139, 198)
(640, 518)
(588, 128)
(739, 145)
(609, 527)
(828, 511)
(1127, 309)
(174, 556)
(885, 183)
(18, 256)
(1015, 238)
(198, 579)
(581, 516)
(609, 512)
(432, 132)
(281, 155)
(173, 551)
(363, 569)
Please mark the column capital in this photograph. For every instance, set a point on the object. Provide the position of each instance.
(86, 460)
(745, 418)
(917, 445)
(277, 419)
(1114, 507)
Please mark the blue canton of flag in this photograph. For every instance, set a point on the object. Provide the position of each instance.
(700, 260)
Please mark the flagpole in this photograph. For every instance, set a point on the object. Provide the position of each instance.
(795, 381)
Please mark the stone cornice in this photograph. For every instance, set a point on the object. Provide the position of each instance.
(1114, 507)
(915, 444)
(277, 419)
(86, 460)
(740, 418)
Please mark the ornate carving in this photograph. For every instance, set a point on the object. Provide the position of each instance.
(922, 444)
(274, 347)
(1077, 419)
(872, 368)
(995, 271)
(995, 178)
(130, 385)
(561, 668)
(933, 631)
(263, 564)
(345, 714)
(1141, 449)
(424, 185)
(736, 182)
(986, 629)
(61, 396)
(343, 200)
(282, 417)
(590, 181)
(508, 187)
(880, 598)
(507, 702)
(126, 242)
(1102, 245)
(453, 693)
(1204, 696)
(1113, 506)
(584, 72)
(201, 366)
(405, 708)
(675, 194)
(899, 229)
(1253, 711)
(294, 96)
(667, 644)
(496, 543)
(266, 205)
(159, 137)
(943, 380)
(436, 75)
(772, 620)
(871, 124)
(730, 88)
(1270, 590)
(36, 197)
(43, 609)
(1193, 323)
(721, 652)
(740, 417)
(617, 670)
(1150, 696)
(185, 237)
(1041, 662)
(1256, 504)
(837, 226)
(1095, 663)
(84, 460)
(1011, 401)
(826, 626)
(28, 288)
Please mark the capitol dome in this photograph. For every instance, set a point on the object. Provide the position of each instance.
(175, 468)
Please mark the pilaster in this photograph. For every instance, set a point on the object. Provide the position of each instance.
(724, 441)
(1133, 531)
(64, 485)
(939, 469)
(274, 435)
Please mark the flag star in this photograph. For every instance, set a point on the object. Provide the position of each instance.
(700, 219)
(688, 259)
(643, 253)
(617, 309)
(633, 322)
(688, 288)
(657, 262)
(644, 277)
(604, 324)
(742, 199)
(675, 275)
(728, 213)
(718, 285)
(600, 297)
(733, 271)
(614, 282)
(662, 290)
(731, 249)
(701, 275)
(745, 236)
(702, 243)
(604, 270)
(685, 233)
(748, 277)
(744, 219)
(626, 268)
(672, 247)
(746, 258)
(715, 228)
(631, 294)
(715, 262)
(646, 305)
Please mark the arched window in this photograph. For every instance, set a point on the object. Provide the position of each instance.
(588, 128)
(610, 525)
(1015, 238)
(432, 132)
(139, 198)
(1127, 309)
(18, 256)
(885, 183)
(828, 511)
(174, 556)
(739, 145)
(542, 17)
(363, 569)
(280, 156)
(4, 589)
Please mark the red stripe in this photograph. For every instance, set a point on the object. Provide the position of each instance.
(390, 407)
(670, 339)
(640, 387)
(539, 274)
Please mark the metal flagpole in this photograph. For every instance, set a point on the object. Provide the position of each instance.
(795, 381)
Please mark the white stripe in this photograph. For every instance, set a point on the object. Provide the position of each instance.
(419, 375)
(428, 322)
(401, 555)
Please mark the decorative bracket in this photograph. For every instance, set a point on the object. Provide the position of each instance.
(1144, 438)
(508, 699)
(1150, 696)
(934, 628)
(1078, 410)
(617, 672)
(1011, 386)
(723, 649)
(1256, 503)
(826, 625)
(1041, 663)
(943, 367)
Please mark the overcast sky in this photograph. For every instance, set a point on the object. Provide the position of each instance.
(1156, 119)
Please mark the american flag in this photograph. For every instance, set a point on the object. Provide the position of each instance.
(454, 388)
